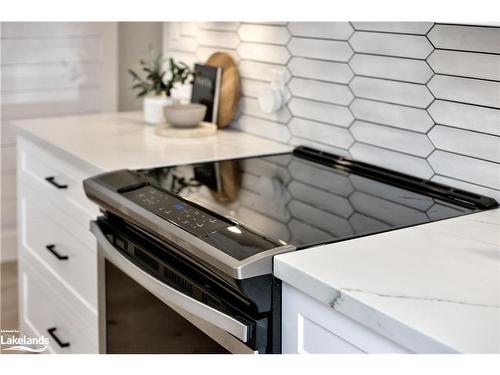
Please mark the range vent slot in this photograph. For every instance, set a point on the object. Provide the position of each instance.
(178, 280)
(209, 300)
(146, 259)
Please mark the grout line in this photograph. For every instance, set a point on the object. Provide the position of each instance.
(467, 182)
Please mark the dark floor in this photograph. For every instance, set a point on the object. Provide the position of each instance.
(8, 296)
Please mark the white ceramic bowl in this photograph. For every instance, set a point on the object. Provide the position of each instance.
(184, 115)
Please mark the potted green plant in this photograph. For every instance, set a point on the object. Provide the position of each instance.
(156, 87)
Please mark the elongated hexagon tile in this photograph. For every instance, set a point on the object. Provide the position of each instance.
(320, 49)
(465, 168)
(410, 94)
(466, 116)
(465, 37)
(321, 70)
(327, 30)
(413, 46)
(417, 71)
(392, 138)
(319, 132)
(319, 90)
(319, 111)
(394, 27)
(263, 34)
(466, 64)
(466, 90)
(473, 144)
(467, 186)
(392, 114)
(263, 52)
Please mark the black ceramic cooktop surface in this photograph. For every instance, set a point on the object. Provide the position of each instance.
(294, 199)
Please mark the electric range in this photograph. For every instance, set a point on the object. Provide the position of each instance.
(197, 241)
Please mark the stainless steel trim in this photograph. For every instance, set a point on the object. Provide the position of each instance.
(165, 293)
(259, 264)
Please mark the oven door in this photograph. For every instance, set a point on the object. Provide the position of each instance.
(140, 314)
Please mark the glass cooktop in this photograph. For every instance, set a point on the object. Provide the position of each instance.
(308, 197)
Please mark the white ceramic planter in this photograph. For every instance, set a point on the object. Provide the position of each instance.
(153, 108)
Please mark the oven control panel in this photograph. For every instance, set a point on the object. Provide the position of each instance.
(181, 213)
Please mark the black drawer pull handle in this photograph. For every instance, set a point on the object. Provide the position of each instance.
(52, 332)
(52, 180)
(52, 249)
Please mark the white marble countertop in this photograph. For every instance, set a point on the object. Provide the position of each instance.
(105, 142)
(430, 288)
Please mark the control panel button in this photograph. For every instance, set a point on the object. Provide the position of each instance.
(176, 211)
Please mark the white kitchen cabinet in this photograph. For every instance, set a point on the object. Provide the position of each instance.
(57, 267)
(309, 326)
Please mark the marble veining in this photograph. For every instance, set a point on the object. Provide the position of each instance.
(432, 288)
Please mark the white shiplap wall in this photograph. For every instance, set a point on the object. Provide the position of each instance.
(421, 98)
(49, 69)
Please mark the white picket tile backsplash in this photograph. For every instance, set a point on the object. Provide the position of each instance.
(410, 94)
(392, 138)
(320, 49)
(322, 91)
(413, 46)
(466, 90)
(391, 114)
(322, 70)
(263, 52)
(324, 112)
(264, 34)
(391, 160)
(466, 116)
(326, 30)
(315, 131)
(466, 38)
(466, 64)
(395, 68)
(417, 97)
(464, 168)
(478, 145)
(394, 27)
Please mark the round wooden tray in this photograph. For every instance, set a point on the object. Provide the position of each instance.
(229, 89)
(205, 129)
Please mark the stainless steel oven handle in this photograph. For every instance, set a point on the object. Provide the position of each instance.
(166, 293)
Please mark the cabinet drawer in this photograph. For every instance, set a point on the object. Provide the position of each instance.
(56, 180)
(62, 252)
(44, 310)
